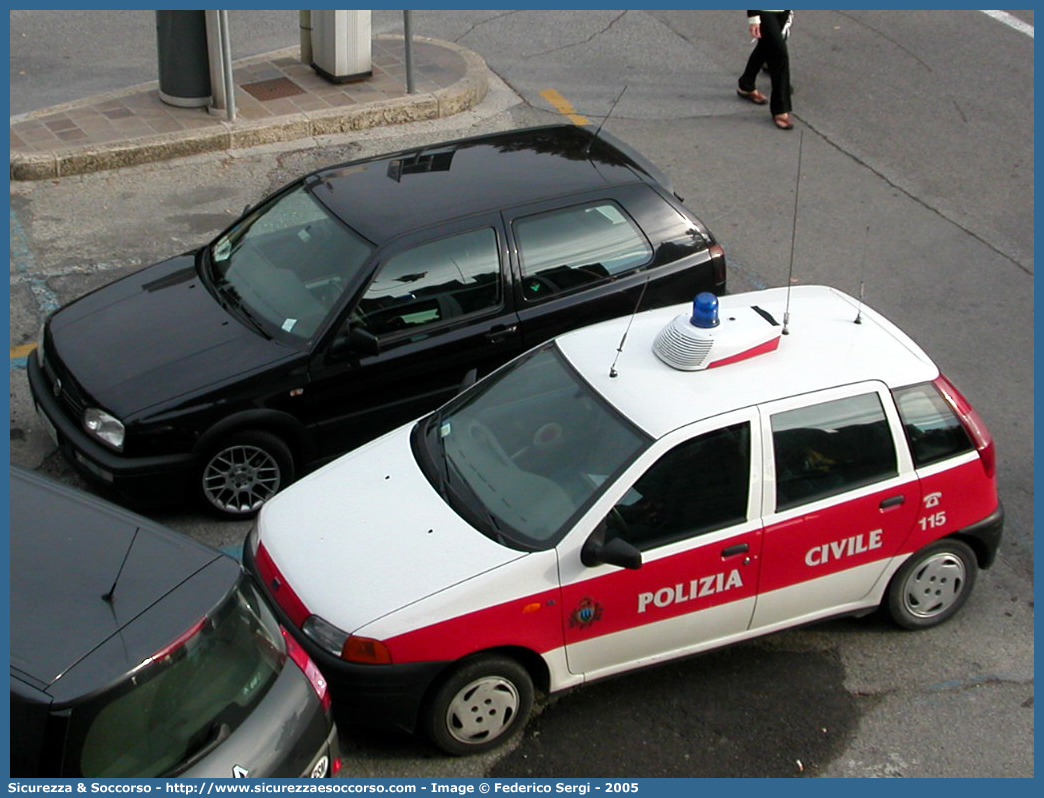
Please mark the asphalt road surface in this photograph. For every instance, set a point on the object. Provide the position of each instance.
(915, 132)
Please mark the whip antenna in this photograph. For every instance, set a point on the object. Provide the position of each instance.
(605, 119)
(108, 596)
(793, 234)
(623, 338)
(862, 271)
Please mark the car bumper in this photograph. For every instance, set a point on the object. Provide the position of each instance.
(386, 696)
(986, 536)
(322, 767)
(151, 479)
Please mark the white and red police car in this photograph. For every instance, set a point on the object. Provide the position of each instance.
(585, 511)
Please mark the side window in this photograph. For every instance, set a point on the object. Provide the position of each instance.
(931, 426)
(697, 487)
(434, 282)
(571, 247)
(829, 448)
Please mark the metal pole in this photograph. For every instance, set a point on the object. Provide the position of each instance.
(217, 74)
(226, 58)
(407, 25)
(305, 23)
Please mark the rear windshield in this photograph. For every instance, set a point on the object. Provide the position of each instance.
(183, 701)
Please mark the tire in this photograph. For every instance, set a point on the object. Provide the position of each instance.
(483, 703)
(932, 585)
(243, 471)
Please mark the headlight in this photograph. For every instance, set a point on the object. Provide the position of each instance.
(104, 427)
(325, 634)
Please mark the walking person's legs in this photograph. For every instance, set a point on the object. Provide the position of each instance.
(747, 88)
(777, 59)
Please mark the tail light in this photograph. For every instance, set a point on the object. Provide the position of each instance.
(304, 662)
(277, 587)
(972, 422)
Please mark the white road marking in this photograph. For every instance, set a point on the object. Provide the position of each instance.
(1011, 21)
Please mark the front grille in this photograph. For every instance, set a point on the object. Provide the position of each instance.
(65, 388)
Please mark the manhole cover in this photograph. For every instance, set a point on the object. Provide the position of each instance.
(273, 89)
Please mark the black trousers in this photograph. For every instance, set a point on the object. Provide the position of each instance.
(771, 50)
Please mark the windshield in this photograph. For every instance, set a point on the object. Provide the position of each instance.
(185, 698)
(526, 451)
(286, 264)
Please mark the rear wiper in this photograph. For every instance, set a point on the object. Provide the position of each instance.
(219, 732)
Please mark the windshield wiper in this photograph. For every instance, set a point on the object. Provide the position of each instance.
(479, 510)
(458, 492)
(235, 301)
(435, 451)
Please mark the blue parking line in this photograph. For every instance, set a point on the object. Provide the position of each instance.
(20, 252)
(26, 272)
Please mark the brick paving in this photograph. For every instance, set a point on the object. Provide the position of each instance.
(135, 123)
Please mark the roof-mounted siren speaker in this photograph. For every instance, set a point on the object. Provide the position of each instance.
(702, 340)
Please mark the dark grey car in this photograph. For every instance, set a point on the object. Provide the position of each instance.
(137, 652)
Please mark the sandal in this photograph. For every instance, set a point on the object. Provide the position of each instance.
(753, 95)
(783, 121)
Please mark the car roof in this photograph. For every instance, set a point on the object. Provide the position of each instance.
(385, 196)
(66, 551)
(824, 348)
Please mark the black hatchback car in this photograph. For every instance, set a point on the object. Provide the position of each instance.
(137, 652)
(354, 299)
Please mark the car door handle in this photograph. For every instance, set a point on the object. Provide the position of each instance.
(500, 332)
(732, 551)
(892, 501)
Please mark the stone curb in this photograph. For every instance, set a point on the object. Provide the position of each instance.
(466, 93)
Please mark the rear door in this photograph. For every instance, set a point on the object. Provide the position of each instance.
(688, 506)
(439, 304)
(841, 497)
(593, 256)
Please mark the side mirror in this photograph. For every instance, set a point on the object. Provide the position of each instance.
(357, 341)
(615, 551)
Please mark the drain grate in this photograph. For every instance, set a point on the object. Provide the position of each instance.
(272, 89)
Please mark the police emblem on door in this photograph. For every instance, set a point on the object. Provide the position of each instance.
(586, 613)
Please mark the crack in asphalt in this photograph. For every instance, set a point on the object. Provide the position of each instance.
(906, 193)
(588, 40)
(992, 247)
(480, 23)
(887, 38)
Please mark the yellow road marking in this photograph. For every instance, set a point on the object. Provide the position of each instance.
(564, 107)
(22, 351)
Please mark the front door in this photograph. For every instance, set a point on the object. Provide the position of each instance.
(686, 505)
(438, 308)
